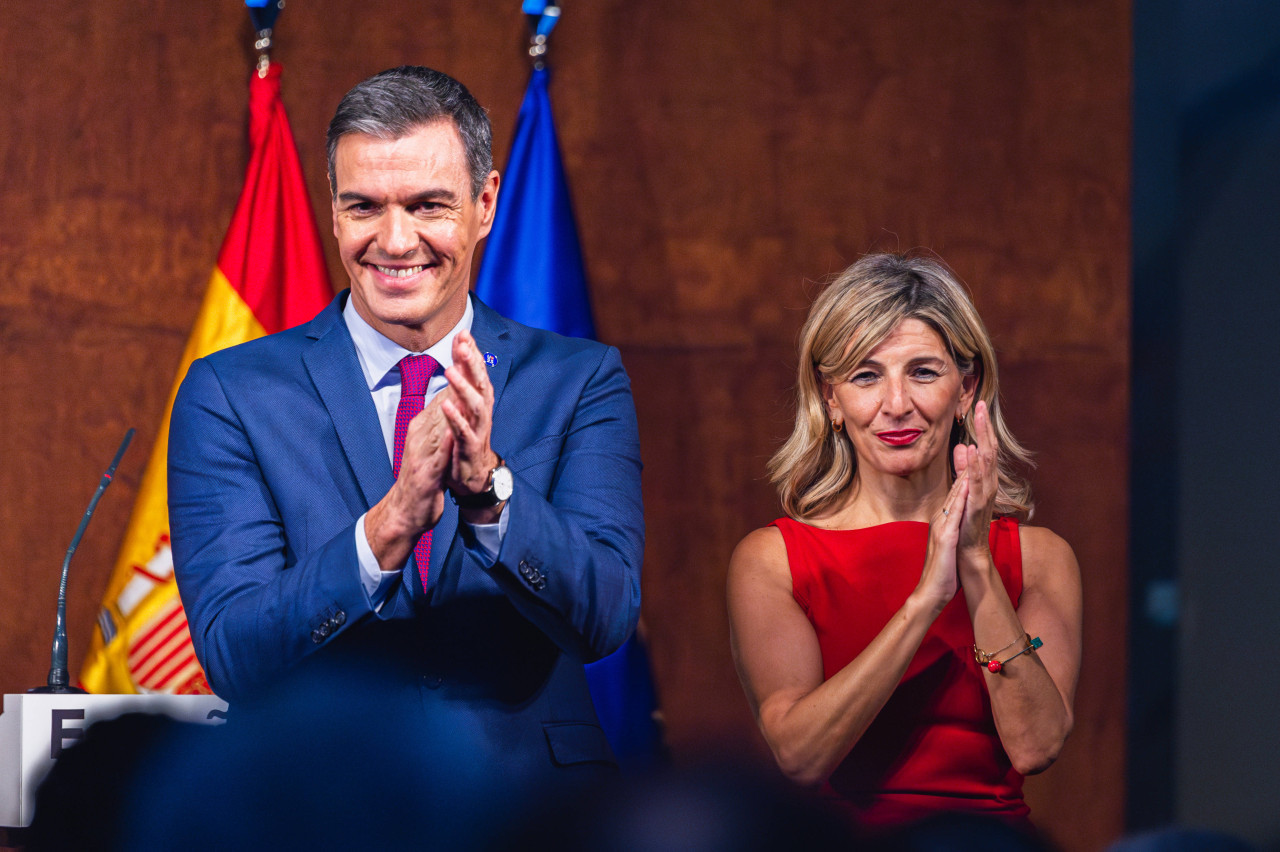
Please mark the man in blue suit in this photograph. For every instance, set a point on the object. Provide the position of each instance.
(301, 487)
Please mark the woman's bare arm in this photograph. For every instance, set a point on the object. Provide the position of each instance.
(811, 724)
(1031, 696)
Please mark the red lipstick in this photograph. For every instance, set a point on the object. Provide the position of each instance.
(900, 437)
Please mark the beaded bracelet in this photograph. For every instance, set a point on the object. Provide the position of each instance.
(988, 658)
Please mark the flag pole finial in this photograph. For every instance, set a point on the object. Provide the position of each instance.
(264, 14)
(543, 17)
(538, 50)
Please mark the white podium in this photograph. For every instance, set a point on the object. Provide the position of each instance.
(34, 730)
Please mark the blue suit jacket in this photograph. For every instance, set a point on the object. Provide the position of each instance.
(275, 451)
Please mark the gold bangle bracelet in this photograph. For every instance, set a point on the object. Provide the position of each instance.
(997, 666)
(983, 657)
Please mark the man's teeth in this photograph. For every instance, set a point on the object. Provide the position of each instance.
(399, 273)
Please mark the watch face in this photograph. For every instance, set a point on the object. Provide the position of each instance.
(503, 483)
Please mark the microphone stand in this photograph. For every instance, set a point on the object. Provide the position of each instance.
(59, 680)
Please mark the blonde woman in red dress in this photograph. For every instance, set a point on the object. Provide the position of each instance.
(907, 644)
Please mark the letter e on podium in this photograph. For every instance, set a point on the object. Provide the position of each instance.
(36, 729)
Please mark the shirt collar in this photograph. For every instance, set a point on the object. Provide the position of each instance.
(379, 356)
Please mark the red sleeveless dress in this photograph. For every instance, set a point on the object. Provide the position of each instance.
(933, 747)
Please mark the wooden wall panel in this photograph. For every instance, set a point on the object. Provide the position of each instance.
(724, 157)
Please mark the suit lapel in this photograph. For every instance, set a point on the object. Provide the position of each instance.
(335, 370)
(493, 337)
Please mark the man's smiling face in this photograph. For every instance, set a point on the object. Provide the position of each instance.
(407, 228)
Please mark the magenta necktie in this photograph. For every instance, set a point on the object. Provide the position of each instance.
(415, 372)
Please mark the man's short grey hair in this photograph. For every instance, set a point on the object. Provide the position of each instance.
(395, 103)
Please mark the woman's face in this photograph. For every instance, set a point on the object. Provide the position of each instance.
(899, 403)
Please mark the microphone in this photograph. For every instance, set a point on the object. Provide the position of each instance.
(58, 677)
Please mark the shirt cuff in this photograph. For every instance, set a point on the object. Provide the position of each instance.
(377, 583)
(489, 536)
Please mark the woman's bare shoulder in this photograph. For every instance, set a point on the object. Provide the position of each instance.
(1047, 559)
(761, 552)
(1043, 545)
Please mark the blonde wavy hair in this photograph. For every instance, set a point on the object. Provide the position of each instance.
(863, 305)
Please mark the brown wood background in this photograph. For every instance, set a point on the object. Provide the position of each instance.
(723, 155)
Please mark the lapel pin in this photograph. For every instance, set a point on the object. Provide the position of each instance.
(490, 359)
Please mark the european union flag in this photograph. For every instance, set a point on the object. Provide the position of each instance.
(532, 272)
(532, 268)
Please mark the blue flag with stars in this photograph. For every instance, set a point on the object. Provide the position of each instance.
(532, 272)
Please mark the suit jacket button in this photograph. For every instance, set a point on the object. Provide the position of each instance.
(324, 629)
(339, 619)
(317, 636)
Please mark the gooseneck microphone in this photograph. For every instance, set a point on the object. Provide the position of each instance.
(59, 680)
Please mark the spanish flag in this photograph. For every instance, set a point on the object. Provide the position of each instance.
(270, 276)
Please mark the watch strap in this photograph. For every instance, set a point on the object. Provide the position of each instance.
(481, 500)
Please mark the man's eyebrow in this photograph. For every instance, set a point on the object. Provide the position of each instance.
(435, 194)
(351, 196)
(443, 194)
